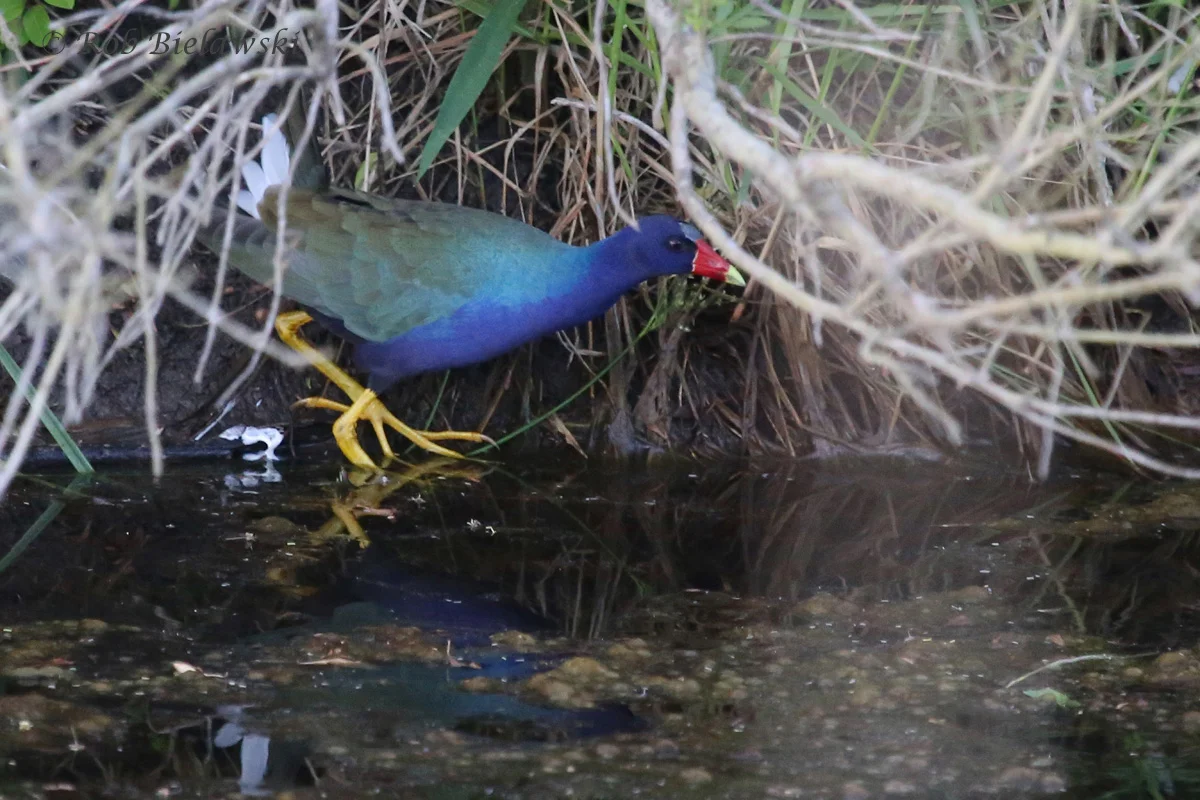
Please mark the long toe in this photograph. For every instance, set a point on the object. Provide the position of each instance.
(376, 410)
(464, 436)
(354, 453)
(425, 444)
(321, 402)
(381, 434)
(345, 431)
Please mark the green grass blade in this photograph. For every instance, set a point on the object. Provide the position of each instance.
(49, 419)
(481, 8)
(437, 401)
(31, 534)
(657, 319)
(478, 64)
(886, 107)
(818, 109)
(538, 420)
(39, 525)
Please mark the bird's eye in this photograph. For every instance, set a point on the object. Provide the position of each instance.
(677, 244)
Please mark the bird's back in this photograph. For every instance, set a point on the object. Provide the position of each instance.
(383, 267)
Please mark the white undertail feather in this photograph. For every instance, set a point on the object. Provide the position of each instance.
(271, 169)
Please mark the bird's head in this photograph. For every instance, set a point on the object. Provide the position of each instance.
(663, 245)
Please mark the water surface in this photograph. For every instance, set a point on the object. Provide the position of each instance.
(857, 629)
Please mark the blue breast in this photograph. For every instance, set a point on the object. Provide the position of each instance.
(491, 325)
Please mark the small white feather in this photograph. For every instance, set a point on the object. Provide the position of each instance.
(247, 203)
(255, 180)
(274, 153)
(271, 169)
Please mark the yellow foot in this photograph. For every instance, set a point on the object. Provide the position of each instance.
(369, 407)
(365, 404)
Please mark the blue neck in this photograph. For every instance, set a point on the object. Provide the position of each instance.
(605, 272)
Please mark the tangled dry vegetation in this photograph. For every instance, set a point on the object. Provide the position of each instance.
(938, 204)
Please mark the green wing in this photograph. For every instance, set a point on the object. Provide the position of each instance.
(385, 266)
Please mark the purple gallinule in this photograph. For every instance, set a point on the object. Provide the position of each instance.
(419, 286)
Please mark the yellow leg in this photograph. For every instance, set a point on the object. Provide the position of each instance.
(288, 326)
(365, 404)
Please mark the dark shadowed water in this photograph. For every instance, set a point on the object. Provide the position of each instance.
(879, 628)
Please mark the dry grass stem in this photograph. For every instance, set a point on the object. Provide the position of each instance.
(902, 228)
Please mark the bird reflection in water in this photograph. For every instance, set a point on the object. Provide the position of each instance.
(372, 487)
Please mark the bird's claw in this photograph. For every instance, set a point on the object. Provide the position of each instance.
(365, 405)
(370, 408)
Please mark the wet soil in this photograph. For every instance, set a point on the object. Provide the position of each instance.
(881, 628)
